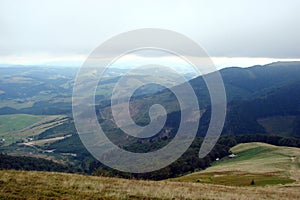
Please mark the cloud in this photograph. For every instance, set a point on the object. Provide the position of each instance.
(232, 28)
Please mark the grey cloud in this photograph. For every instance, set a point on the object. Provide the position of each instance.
(234, 28)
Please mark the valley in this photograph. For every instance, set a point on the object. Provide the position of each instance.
(262, 129)
(149, 100)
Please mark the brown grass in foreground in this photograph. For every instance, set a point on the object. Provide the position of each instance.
(46, 185)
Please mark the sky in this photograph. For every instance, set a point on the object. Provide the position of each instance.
(233, 32)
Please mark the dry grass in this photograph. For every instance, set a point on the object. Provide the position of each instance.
(49, 185)
(45, 185)
(235, 178)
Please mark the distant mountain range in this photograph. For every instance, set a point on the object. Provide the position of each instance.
(263, 105)
(261, 99)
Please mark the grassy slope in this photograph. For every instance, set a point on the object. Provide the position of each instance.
(256, 160)
(17, 126)
(265, 164)
(48, 185)
(9, 123)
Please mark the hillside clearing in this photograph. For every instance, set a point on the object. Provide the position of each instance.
(19, 126)
(263, 163)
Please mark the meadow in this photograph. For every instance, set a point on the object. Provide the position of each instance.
(265, 164)
(20, 126)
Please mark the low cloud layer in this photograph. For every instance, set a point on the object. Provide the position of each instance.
(224, 28)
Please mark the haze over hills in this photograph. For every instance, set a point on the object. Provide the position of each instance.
(256, 97)
(252, 94)
(263, 102)
(109, 100)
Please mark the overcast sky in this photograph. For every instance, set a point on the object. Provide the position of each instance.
(33, 31)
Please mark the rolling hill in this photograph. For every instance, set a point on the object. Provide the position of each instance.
(255, 97)
(263, 101)
(263, 163)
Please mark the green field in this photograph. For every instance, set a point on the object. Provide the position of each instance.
(18, 126)
(11, 123)
(263, 163)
